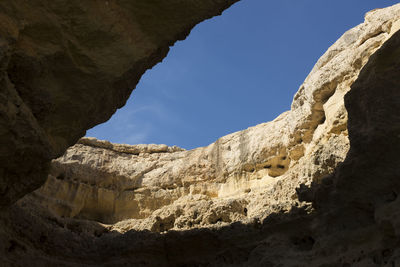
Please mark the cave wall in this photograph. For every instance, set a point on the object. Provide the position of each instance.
(353, 221)
(318, 212)
(66, 66)
(244, 176)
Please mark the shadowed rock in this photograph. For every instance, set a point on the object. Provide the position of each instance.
(243, 176)
(233, 211)
(66, 66)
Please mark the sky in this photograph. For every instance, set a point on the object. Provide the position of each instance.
(232, 72)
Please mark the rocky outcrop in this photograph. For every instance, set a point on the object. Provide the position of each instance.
(318, 186)
(244, 176)
(66, 66)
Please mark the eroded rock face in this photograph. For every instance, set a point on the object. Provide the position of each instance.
(66, 66)
(240, 200)
(244, 176)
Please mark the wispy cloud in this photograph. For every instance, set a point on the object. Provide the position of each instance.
(137, 138)
(136, 123)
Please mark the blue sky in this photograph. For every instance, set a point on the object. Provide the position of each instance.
(232, 72)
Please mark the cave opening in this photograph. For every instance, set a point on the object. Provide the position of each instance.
(119, 180)
(247, 199)
(232, 72)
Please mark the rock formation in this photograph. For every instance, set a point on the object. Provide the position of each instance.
(318, 186)
(247, 174)
(66, 66)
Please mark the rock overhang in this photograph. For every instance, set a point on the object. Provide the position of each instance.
(365, 219)
(68, 65)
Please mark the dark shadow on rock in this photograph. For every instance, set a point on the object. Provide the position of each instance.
(67, 66)
(355, 220)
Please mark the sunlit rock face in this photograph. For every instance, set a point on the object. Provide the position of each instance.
(244, 176)
(318, 186)
(66, 66)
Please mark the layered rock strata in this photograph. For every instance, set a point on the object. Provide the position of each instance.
(66, 66)
(318, 186)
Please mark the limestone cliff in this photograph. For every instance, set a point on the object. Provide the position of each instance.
(318, 186)
(66, 66)
(243, 176)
